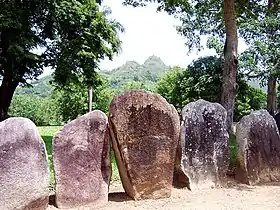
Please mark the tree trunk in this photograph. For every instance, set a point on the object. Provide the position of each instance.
(89, 99)
(231, 63)
(7, 90)
(271, 95)
(271, 83)
(10, 80)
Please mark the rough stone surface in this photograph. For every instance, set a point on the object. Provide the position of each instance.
(24, 172)
(204, 145)
(82, 162)
(258, 149)
(145, 131)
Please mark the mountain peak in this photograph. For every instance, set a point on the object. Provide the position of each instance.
(154, 59)
(131, 64)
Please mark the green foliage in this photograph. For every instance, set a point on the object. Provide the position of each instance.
(203, 80)
(74, 34)
(169, 87)
(23, 27)
(262, 35)
(83, 41)
(249, 99)
(133, 85)
(72, 100)
(42, 111)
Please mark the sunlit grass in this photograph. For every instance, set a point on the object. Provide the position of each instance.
(47, 133)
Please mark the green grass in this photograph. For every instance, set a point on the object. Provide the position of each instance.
(47, 133)
(115, 170)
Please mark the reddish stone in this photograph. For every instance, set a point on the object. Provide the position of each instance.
(24, 172)
(82, 162)
(145, 131)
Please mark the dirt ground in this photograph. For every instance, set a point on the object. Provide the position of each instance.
(235, 196)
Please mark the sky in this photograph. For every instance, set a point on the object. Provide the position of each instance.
(147, 33)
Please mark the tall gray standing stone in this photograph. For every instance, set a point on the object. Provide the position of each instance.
(81, 161)
(145, 132)
(258, 149)
(204, 155)
(24, 172)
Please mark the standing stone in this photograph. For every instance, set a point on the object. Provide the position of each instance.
(204, 145)
(82, 162)
(258, 149)
(24, 172)
(145, 131)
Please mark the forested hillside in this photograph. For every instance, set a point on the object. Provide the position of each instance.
(129, 74)
(41, 87)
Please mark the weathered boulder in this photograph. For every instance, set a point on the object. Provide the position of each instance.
(24, 172)
(145, 132)
(82, 163)
(204, 145)
(258, 149)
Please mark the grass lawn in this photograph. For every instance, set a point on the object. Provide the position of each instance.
(47, 133)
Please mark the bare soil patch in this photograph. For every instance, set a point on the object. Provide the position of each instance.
(234, 196)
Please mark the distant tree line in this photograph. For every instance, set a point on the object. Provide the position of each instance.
(202, 79)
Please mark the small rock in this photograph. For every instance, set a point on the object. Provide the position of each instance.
(82, 162)
(24, 172)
